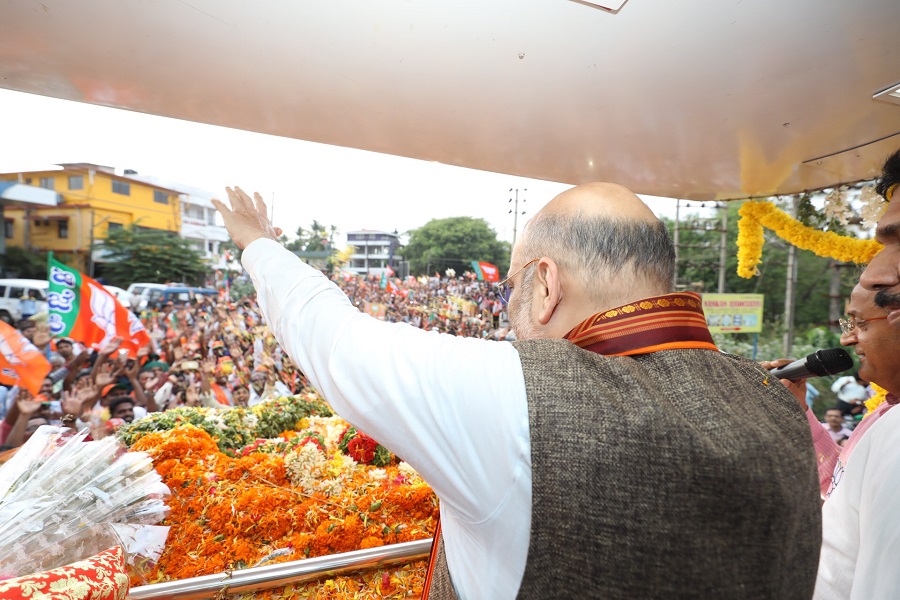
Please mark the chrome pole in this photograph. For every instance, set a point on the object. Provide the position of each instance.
(279, 575)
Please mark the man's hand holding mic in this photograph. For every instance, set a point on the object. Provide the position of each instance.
(247, 220)
(797, 387)
(793, 374)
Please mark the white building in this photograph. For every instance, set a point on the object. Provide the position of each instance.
(374, 251)
(198, 221)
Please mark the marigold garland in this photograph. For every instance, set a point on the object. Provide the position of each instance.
(876, 400)
(758, 214)
(232, 512)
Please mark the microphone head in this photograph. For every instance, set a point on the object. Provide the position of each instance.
(830, 361)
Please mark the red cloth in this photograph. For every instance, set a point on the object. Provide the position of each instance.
(100, 577)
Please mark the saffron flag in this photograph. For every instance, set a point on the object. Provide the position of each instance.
(486, 271)
(392, 287)
(82, 309)
(21, 363)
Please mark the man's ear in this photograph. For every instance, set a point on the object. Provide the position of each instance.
(547, 289)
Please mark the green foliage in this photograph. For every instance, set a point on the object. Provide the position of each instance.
(280, 414)
(151, 256)
(232, 428)
(453, 243)
(25, 264)
(241, 288)
(315, 239)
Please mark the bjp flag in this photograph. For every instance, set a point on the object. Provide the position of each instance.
(485, 271)
(21, 363)
(82, 309)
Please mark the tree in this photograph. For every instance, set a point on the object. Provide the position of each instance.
(151, 256)
(25, 264)
(453, 243)
(315, 239)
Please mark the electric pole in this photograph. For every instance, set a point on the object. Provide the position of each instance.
(515, 210)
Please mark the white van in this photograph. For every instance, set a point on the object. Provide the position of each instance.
(11, 292)
(144, 290)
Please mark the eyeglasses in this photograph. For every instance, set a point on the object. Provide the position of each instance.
(850, 324)
(503, 289)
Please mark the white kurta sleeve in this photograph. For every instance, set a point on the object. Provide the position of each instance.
(454, 408)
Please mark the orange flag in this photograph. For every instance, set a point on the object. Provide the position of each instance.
(20, 361)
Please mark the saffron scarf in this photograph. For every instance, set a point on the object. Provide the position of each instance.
(667, 322)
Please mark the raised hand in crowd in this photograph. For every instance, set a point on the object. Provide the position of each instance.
(77, 402)
(110, 347)
(24, 409)
(106, 375)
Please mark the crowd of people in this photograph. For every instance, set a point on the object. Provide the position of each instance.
(216, 352)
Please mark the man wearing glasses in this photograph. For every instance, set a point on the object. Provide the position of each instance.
(611, 452)
(861, 531)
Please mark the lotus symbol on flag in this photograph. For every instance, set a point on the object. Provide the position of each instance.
(103, 312)
(9, 354)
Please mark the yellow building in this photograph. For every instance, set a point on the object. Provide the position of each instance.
(94, 201)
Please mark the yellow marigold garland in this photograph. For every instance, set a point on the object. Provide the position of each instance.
(758, 214)
(876, 400)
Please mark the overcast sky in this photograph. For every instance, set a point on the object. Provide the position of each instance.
(351, 189)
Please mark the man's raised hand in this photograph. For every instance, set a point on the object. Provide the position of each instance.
(247, 220)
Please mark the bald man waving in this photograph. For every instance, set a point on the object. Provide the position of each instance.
(611, 452)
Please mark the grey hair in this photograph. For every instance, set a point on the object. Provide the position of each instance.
(597, 248)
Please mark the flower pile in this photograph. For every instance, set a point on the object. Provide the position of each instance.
(756, 215)
(232, 428)
(291, 496)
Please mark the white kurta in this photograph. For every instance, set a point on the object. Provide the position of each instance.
(453, 408)
(860, 520)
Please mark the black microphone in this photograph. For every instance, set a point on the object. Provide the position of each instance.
(818, 364)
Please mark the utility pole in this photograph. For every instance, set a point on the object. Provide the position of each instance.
(790, 288)
(676, 232)
(723, 247)
(515, 210)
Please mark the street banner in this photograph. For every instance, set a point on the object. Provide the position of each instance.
(82, 309)
(21, 363)
(485, 271)
(733, 313)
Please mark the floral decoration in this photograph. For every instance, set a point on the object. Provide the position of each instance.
(233, 428)
(363, 449)
(876, 400)
(285, 498)
(758, 214)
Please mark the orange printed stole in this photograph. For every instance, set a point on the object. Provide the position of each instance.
(649, 325)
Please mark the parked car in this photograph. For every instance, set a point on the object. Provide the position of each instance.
(144, 290)
(11, 292)
(121, 295)
(177, 295)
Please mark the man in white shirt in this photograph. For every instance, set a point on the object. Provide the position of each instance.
(861, 528)
(738, 517)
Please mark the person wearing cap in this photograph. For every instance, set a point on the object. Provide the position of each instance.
(264, 386)
(851, 395)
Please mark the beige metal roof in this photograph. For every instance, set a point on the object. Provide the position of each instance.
(688, 98)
